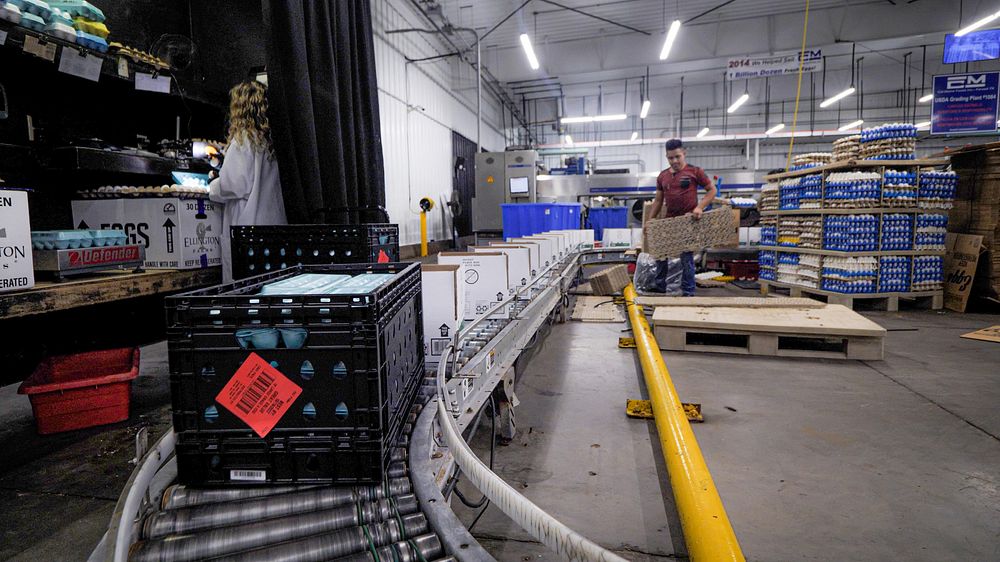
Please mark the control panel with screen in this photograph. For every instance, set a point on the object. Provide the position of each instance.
(518, 186)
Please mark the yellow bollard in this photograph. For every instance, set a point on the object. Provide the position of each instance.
(423, 234)
(707, 532)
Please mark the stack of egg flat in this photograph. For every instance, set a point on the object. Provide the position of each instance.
(34, 13)
(88, 23)
(847, 148)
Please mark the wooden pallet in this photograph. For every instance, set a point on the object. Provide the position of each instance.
(740, 302)
(832, 331)
(597, 309)
(888, 301)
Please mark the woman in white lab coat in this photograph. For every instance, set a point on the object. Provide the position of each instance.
(248, 183)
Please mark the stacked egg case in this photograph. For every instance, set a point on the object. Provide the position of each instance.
(859, 232)
(356, 357)
(74, 21)
(263, 249)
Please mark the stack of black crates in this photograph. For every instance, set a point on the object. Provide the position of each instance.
(363, 352)
(263, 249)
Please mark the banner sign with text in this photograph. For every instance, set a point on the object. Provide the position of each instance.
(965, 103)
(774, 65)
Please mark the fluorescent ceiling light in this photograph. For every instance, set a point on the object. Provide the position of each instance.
(775, 129)
(671, 35)
(926, 98)
(645, 110)
(923, 125)
(971, 27)
(851, 125)
(739, 101)
(569, 140)
(635, 135)
(529, 50)
(830, 101)
(592, 118)
(614, 117)
(702, 133)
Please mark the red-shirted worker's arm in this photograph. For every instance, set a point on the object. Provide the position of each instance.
(710, 191)
(654, 211)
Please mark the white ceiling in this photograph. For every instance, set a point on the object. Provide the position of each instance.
(592, 59)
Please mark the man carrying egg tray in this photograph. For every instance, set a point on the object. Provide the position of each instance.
(677, 188)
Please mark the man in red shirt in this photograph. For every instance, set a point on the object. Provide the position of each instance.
(677, 187)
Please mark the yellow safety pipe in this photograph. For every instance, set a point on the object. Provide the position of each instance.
(423, 234)
(707, 532)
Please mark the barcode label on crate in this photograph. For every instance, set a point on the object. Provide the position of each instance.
(248, 475)
(258, 394)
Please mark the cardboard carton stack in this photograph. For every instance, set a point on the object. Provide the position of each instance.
(667, 238)
(977, 207)
(610, 281)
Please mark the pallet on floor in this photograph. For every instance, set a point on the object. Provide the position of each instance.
(597, 309)
(740, 302)
(832, 331)
(889, 301)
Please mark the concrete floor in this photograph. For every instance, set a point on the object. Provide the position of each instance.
(815, 460)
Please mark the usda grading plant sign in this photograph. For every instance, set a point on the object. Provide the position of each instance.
(965, 103)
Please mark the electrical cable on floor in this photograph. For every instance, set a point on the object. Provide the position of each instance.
(493, 442)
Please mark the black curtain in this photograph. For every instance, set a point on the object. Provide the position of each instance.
(324, 110)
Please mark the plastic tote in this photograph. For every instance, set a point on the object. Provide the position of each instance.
(526, 219)
(599, 218)
(82, 390)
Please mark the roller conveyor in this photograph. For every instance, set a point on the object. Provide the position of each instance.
(157, 520)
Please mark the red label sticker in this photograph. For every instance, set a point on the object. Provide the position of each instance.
(383, 257)
(258, 394)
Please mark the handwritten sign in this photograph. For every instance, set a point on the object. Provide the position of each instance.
(78, 63)
(149, 83)
(41, 49)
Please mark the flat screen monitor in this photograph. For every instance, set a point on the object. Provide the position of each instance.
(518, 186)
(974, 46)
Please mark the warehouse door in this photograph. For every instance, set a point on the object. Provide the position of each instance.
(463, 159)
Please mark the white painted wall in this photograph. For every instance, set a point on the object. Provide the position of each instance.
(419, 105)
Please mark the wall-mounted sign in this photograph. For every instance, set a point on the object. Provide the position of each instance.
(965, 103)
(971, 47)
(774, 65)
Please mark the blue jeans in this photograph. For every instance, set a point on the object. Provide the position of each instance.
(687, 274)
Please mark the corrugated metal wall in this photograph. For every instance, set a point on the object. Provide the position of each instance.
(420, 104)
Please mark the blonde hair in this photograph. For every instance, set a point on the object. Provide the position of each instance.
(248, 115)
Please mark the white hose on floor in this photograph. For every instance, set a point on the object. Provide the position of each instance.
(562, 540)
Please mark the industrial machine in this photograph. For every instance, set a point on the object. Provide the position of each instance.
(502, 177)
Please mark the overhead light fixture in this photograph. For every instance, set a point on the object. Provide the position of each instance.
(592, 118)
(926, 98)
(645, 110)
(702, 133)
(675, 26)
(775, 129)
(569, 140)
(830, 101)
(635, 135)
(851, 125)
(923, 125)
(969, 28)
(613, 117)
(739, 101)
(529, 50)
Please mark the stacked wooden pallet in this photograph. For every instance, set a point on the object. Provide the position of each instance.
(771, 327)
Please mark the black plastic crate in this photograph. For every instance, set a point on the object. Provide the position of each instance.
(364, 355)
(261, 249)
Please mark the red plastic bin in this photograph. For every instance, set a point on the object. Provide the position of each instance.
(82, 390)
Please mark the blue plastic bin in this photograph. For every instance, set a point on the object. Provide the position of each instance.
(526, 219)
(599, 218)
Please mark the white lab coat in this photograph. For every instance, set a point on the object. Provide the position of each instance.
(249, 187)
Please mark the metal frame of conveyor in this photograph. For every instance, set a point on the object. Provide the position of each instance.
(482, 357)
